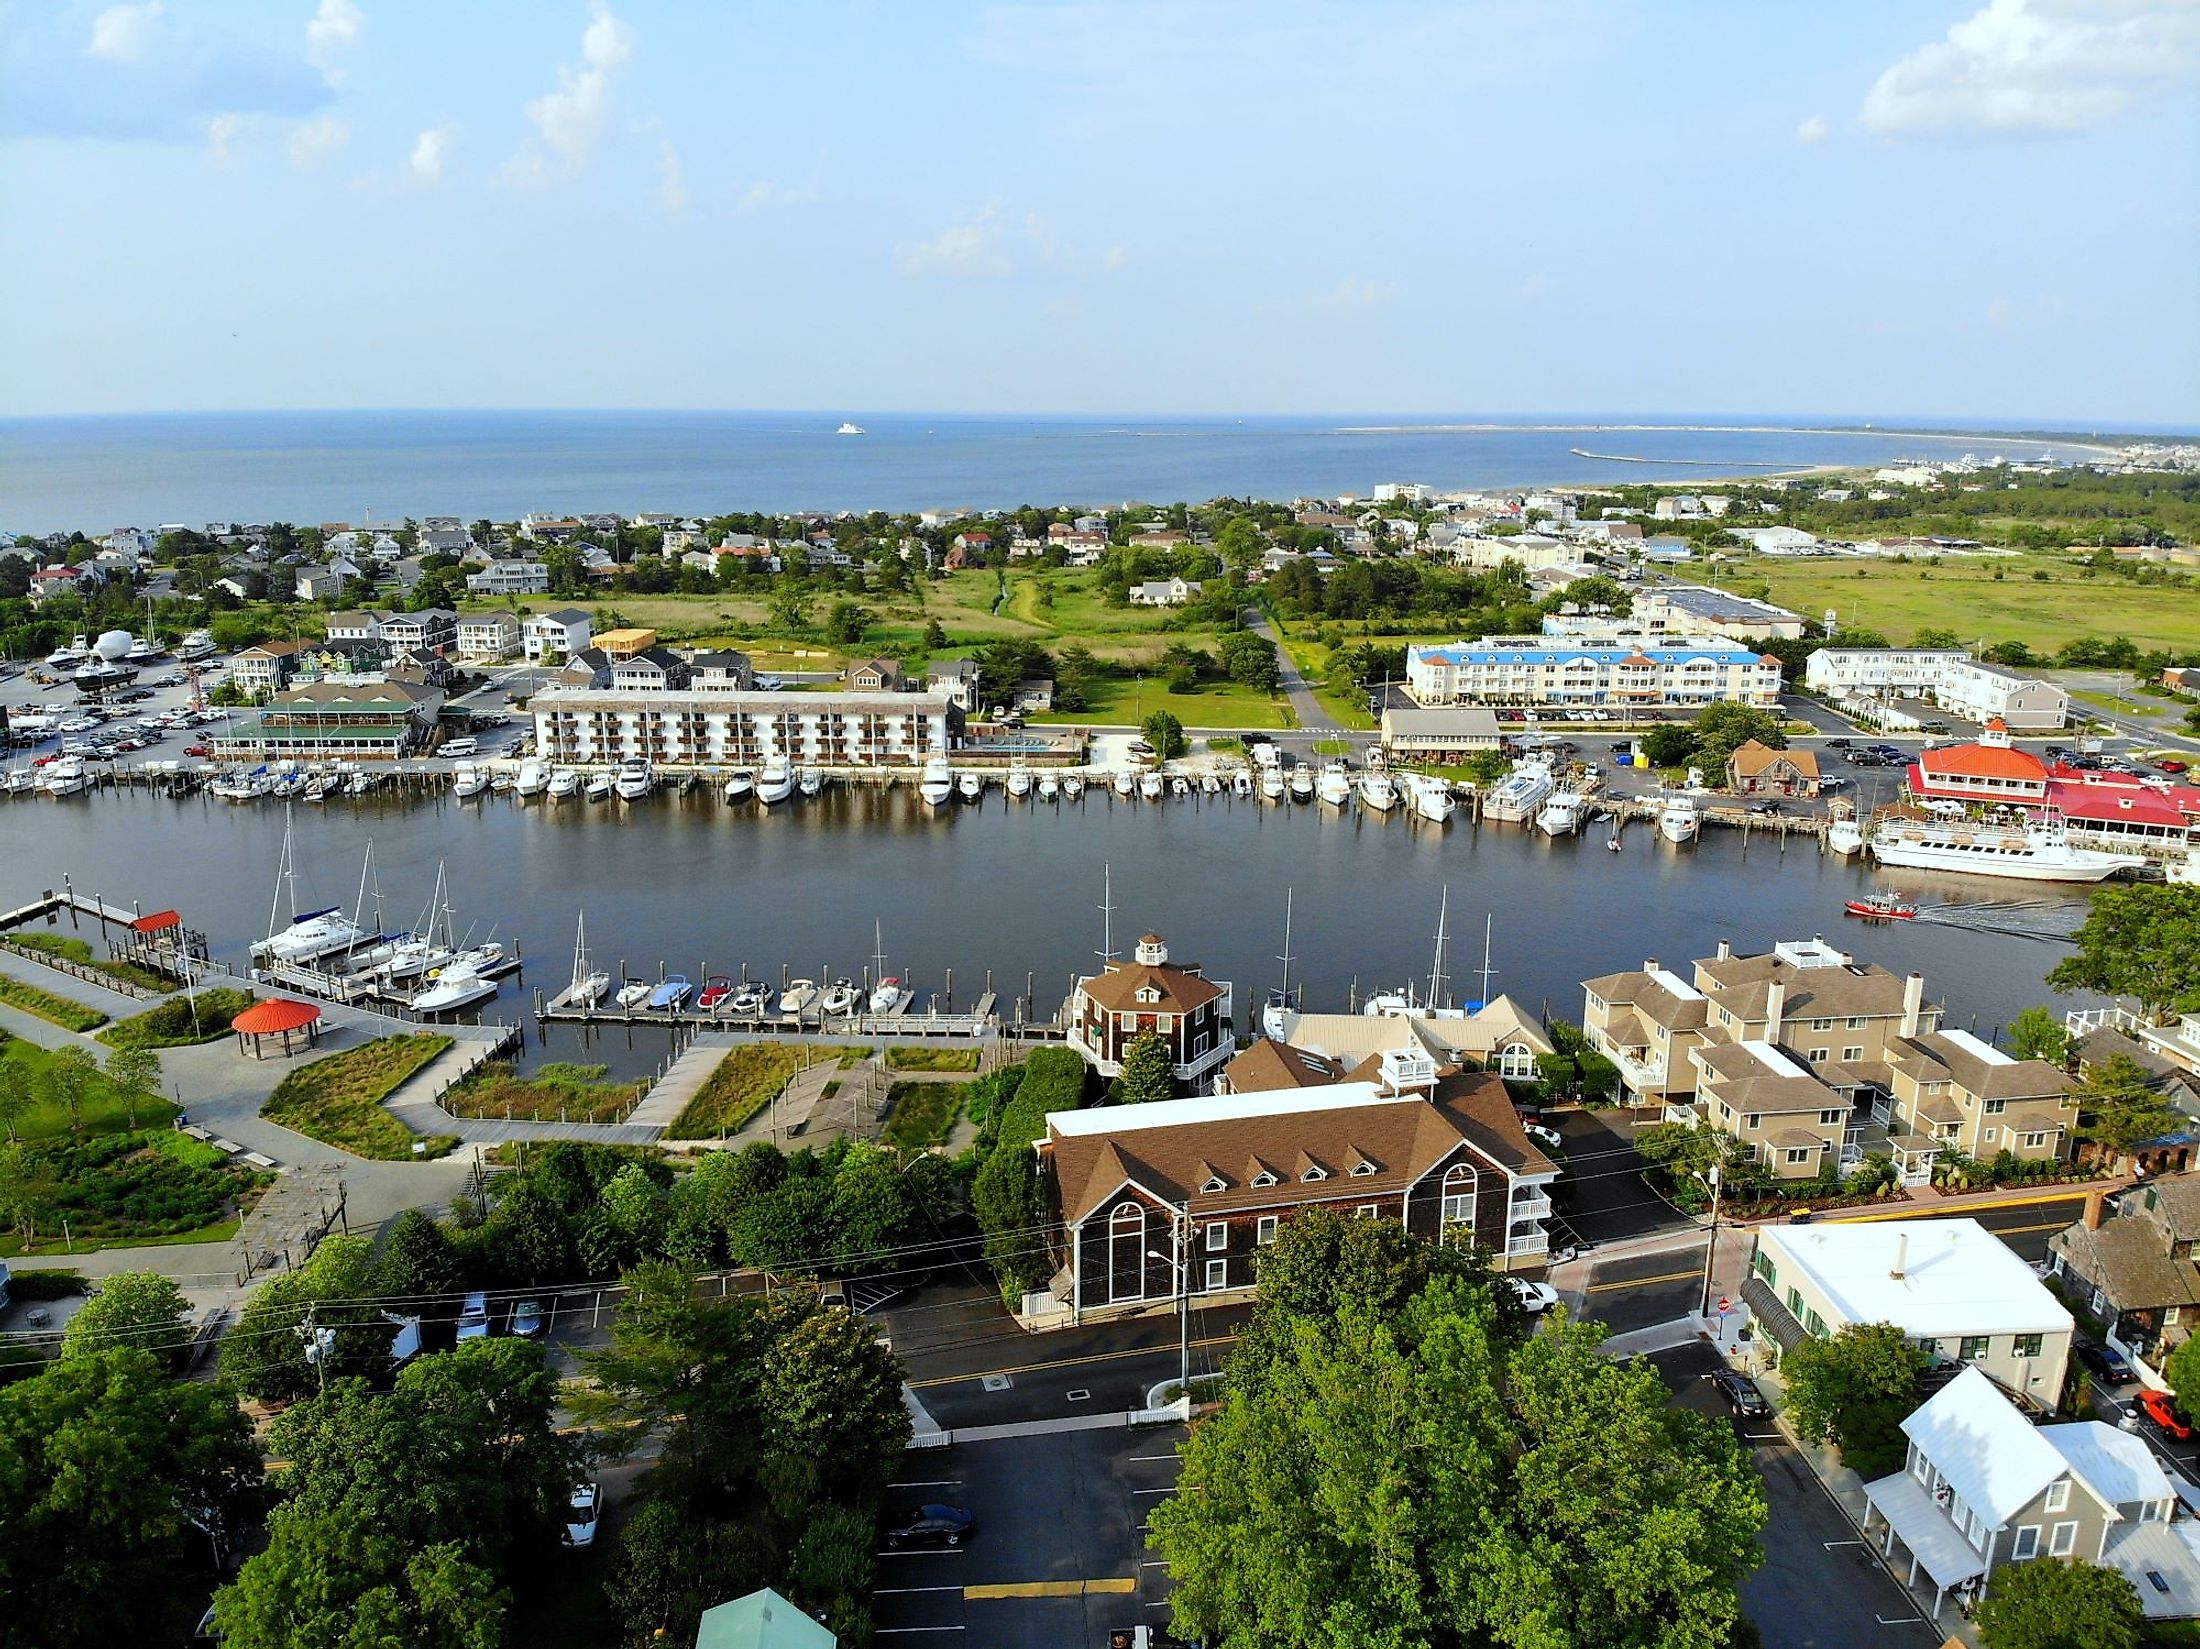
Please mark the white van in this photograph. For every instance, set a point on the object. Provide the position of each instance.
(459, 747)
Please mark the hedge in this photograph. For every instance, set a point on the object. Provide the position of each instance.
(1010, 1201)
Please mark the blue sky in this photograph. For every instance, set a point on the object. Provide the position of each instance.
(1930, 208)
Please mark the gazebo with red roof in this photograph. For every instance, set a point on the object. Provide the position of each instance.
(280, 1018)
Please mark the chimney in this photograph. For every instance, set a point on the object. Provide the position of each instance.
(1726, 950)
(1776, 999)
(1901, 1255)
(1913, 1002)
(2095, 1201)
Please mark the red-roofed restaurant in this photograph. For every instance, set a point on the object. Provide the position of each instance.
(278, 1019)
(2111, 810)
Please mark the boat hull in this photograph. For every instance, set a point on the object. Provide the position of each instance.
(2075, 865)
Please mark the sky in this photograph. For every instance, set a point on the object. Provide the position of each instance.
(1882, 208)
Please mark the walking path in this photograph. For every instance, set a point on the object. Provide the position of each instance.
(682, 1081)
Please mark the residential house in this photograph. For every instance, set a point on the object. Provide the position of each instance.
(431, 630)
(724, 669)
(1164, 592)
(1954, 1289)
(549, 529)
(654, 670)
(1176, 1001)
(1756, 769)
(1498, 1035)
(319, 584)
(510, 578)
(1982, 1487)
(957, 679)
(548, 637)
(1180, 1196)
(625, 643)
(1945, 676)
(875, 675)
(1793, 1119)
(2133, 1260)
(1967, 1095)
(452, 539)
(262, 669)
(488, 635)
(587, 668)
(355, 626)
(48, 582)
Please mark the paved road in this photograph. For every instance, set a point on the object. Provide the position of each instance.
(1304, 704)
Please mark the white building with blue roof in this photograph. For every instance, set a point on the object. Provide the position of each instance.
(1679, 672)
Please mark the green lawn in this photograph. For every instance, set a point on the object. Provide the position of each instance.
(1311, 659)
(922, 1113)
(931, 1059)
(81, 953)
(338, 1100)
(746, 1080)
(220, 1231)
(1123, 701)
(53, 1008)
(180, 1022)
(106, 1110)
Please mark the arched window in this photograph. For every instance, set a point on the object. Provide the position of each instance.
(1458, 1204)
(1127, 1251)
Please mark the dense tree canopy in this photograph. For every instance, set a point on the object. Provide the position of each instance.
(2140, 940)
(2059, 1603)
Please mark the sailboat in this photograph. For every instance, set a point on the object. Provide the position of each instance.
(1273, 1023)
(589, 984)
(311, 935)
(889, 995)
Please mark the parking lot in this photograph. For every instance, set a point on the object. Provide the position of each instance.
(1057, 1553)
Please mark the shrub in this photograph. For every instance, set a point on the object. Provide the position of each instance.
(338, 1100)
(55, 1010)
(922, 1113)
(931, 1059)
(180, 1022)
(746, 1080)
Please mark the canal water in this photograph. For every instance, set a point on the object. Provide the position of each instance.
(1014, 890)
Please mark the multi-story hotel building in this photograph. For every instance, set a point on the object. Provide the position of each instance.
(1685, 671)
(695, 727)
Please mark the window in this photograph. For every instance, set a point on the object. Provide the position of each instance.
(2028, 1543)
(1821, 1024)
(1264, 1177)
(1795, 1302)
(2058, 1495)
(1994, 1107)
(1801, 1153)
(1265, 1232)
(1368, 1210)
(1362, 1168)
(1218, 1275)
(1855, 1022)
(1816, 1324)
(2063, 1541)
(1817, 1056)
(1852, 1053)
(1218, 1235)
(1762, 1264)
(1314, 1171)
(1214, 1184)
(1456, 1211)
(1754, 1121)
(1972, 1349)
(2032, 1142)
(1827, 1119)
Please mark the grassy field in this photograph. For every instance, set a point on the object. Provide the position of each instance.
(1968, 597)
(555, 1093)
(49, 1006)
(1311, 659)
(81, 953)
(173, 1025)
(922, 1113)
(219, 1231)
(746, 1080)
(1123, 702)
(338, 1100)
(106, 1111)
(931, 1059)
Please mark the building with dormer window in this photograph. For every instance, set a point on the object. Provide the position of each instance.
(1176, 1001)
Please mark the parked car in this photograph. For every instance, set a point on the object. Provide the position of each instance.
(473, 1316)
(2161, 1407)
(932, 1526)
(2109, 1365)
(1543, 1135)
(1741, 1394)
(196, 750)
(1536, 1297)
(582, 1512)
(527, 1320)
(2170, 764)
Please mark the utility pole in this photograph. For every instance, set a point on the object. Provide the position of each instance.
(1184, 1304)
(1711, 1249)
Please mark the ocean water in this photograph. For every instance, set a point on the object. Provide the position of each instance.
(96, 473)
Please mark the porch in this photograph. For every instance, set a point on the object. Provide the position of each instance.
(1906, 1512)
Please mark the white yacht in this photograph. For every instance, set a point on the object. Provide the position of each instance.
(839, 999)
(740, 785)
(2185, 871)
(598, 788)
(564, 782)
(1126, 784)
(633, 994)
(774, 780)
(970, 785)
(1050, 788)
(1679, 821)
(455, 986)
(1379, 791)
(1271, 784)
(1335, 784)
(468, 781)
(1149, 787)
(69, 658)
(1301, 782)
(851, 429)
(889, 995)
(1562, 814)
(1210, 784)
(534, 778)
(634, 779)
(1522, 791)
(1432, 798)
(1019, 781)
(937, 786)
(1844, 838)
(65, 776)
(1073, 786)
(1241, 782)
(2036, 849)
(311, 936)
(199, 644)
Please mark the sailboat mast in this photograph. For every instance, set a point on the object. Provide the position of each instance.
(1283, 993)
(282, 876)
(1489, 923)
(1107, 913)
(1436, 975)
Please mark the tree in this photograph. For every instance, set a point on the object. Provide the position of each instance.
(419, 1260)
(1667, 745)
(1166, 734)
(1146, 1075)
(28, 1190)
(935, 635)
(1935, 637)
(264, 1356)
(111, 1474)
(16, 1098)
(67, 1082)
(2141, 940)
(1721, 729)
(846, 622)
(1865, 1363)
(2060, 1603)
(2035, 1033)
(132, 1308)
(2182, 1370)
(136, 1075)
(2119, 1108)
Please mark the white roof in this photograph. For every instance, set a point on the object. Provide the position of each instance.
(2116, 1465)
(1983, 1051)
(1176, 1113)
(1957, 1277)
(1772, 1059)
(1997, 1460)
(1673, 982)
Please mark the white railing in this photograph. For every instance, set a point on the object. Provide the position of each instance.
(1538, 1242)
(1531, 1205)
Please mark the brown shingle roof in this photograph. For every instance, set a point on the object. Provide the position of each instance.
(1270, 1064)
(1636, 989)
(1751, 759)
(2018, 1079)
(1739, 984)
(1179, 989)
(2127, 1258)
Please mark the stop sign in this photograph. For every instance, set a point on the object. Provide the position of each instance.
(1725, 1305)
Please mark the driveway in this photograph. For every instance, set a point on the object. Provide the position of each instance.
(1304, 704)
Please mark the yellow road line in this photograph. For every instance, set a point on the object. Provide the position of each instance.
(1914, 1213)
(1693, 1275)
(1064, 1362)
(1052, 1588)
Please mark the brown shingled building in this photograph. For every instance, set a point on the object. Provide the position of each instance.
(1176, 1001)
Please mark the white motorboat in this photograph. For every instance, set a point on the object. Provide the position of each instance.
(1179, 785)
(811, 783)
(1562, 814)
(1126, 784)
(71, 656)
(889, 995)
(1432, 798)
(65, 776)
(502, 782)
(774, 780)
(144, 650)
(459, 983)
(589, 983)
(632, 994)
(798, 996)
(1149, 787)
(1073, 786)
(634, 779)
(1050, 788)
(850, 429)
(199, 644)
(2037, 849)
(1335, 784)
(22, 780)
(534, 778)
(358, 784)
(1844, 838)
(839, 999)
(970, 786)
(1522, 791)
(747, 1001)
(1210, 784)
(1679, 821)
(564, 782)
(937, 786)
(1378, 791)
(1241, 783)
(741, 785)
(468, 781)
(1301, 783)
(598, 788)
(1019, 781)
(1272, 787)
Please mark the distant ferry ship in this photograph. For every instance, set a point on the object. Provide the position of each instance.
(2036, 850)
(851, 429)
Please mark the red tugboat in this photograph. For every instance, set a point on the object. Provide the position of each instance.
(1881, 907)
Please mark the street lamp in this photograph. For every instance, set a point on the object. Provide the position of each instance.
(1180, 1224)
(1711, 1249)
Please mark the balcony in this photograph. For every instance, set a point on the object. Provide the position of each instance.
(1523, 1245)
(1530, 1203)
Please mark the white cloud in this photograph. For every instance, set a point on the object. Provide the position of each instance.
(569, 121)
(313, 141)
(672, 189)
(1814, 130)
(124, 34)
(221, 132)
(1115, 257)
(2037, 65)
(333, 31)
(1355, 293)
(429, 151)
(964, 250)
(990, 245)
(763, 195)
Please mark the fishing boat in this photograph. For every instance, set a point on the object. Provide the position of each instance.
(468, 781)
(1432, 799)
(937, 785)
(1562, 813)
(1019, 780)
(145, 649)
(2033, 849)
(798, 996)
(741, 785)
(1050, 788)
(774, 781)
(634, 779)
(589, 983)
(533, 780)
(502, 782)
(455, 986)
(598, 788)
(1378, 790)
(1335, 784)
(199, 644)
(1149, 787)
(1271, 784)
(1880, 907)
(65, 776)
(1126, 783)
(669, 995)
(1844, 838)
(564, 782)
(1521, 792)
(970, 785)
(632, 994)
(1073, 786)
(1678, 820)
(1301, 783)
(71, 656)
(717, 991)
(811, 782)
(839, 999)
(1241, 783)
